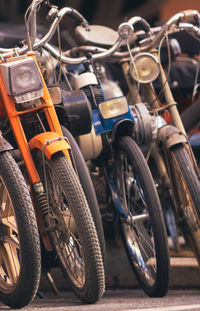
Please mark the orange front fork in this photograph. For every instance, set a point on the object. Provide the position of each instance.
(14, 119)
(15, 122)
(8, 109)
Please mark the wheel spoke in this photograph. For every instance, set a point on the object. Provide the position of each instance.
(133, 201)
(6, 209)
(67, 241)
(10, 259)
(74, 248)
(9, 224)
(150, 249)
(12, 240)
(75, 262)
(144, 225)
(10, 246)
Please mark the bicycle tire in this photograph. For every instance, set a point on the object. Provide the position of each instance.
(186, 189)
(72, 232)
(145, 237)
(20, 244)
(88, 188)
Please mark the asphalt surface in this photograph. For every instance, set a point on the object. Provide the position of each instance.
(116, 300)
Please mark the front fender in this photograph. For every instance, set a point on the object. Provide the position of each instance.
(123, 127)
(50, 143)
(170, 136)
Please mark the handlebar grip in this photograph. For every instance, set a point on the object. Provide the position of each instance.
(190, 14)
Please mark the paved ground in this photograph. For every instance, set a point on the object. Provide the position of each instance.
(122, 289)
(117, 300)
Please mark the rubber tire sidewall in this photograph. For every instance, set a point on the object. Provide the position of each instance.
(29, 278)
(135, 155)
(88, 188)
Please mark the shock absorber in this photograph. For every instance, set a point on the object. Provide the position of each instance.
(41, 199)
(41, 202)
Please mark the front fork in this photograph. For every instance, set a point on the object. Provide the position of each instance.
(47, 142)
(118, 210)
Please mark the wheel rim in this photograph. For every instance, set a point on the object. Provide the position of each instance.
(137, 229)
(9, 243)
(64, 234)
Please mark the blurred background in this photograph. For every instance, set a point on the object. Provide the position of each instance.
(104, 12)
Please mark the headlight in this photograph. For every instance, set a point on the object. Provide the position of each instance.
(114, 107)
(145, 69)
(22, 78)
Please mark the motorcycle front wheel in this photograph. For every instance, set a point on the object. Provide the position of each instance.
(143, 229)
(71, 229)
(186, 190)
(87, 185)
(20, 255)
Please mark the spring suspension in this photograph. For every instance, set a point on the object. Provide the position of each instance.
(41, 199)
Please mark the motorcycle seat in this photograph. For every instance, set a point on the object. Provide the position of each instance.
(98, 35)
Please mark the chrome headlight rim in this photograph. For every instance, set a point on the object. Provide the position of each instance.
(135, 75)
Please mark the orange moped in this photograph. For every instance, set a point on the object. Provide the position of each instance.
(29, 122)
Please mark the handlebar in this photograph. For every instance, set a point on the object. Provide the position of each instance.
(151, 35)
(174, 20)
(47, 37)
(141, 35)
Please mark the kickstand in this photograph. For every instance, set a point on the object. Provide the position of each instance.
(52, 283)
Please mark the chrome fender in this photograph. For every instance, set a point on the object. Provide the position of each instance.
(170, 136)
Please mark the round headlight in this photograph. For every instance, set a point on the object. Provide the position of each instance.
(145, 68)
